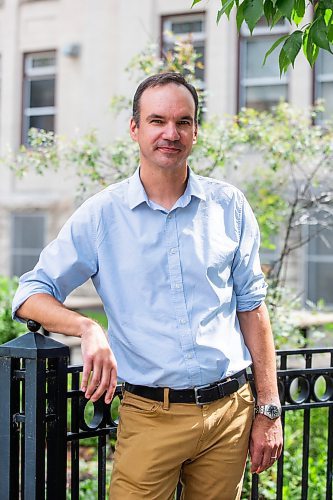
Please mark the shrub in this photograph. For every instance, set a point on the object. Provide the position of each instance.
(9, 329)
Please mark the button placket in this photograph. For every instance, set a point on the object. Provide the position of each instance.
(179, 301)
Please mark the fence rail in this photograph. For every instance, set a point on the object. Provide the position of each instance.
(43, 414)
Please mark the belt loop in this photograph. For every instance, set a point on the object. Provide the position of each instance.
(166, 402)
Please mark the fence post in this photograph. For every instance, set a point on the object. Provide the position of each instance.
(33, 414)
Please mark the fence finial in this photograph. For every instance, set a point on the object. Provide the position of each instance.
(33, 326)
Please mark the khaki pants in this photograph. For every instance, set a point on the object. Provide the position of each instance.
(203, 446)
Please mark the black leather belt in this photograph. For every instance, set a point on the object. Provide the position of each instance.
(201, 395)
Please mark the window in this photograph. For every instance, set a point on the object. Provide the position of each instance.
(320, 266)
(324, 83)
(186, 27)
(28, 234)
(39, 92)
(260, 87)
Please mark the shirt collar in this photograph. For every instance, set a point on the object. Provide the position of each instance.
(194, 187)
(136, 191)
(138, 195)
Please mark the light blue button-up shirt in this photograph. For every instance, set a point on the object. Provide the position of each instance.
(170, 281)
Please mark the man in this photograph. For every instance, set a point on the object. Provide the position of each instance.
(174, 258)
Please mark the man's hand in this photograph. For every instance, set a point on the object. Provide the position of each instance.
(266, 436)
(98, 359)
(99, 365)
(265, 443)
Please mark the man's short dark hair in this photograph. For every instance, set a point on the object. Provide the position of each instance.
(162, 79)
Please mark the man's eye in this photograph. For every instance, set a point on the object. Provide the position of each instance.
(156, 121)
(184, 122)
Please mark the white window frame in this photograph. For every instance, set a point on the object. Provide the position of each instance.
(167, 22)
(244, 82)
(30, 74)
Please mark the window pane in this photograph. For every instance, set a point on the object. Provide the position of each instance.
(264, 97)
(43, 62)
(255, 54)
(39, 92)
(324, 64)
(320, 278)
(322, 244)
(28, 231)
(179, 28)
(200, 72)
(27, 241)
(325, 91)
(45, 122)
(23, 263)
(200, 50)
(42, 93)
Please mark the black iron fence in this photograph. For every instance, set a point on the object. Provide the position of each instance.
(43, 420)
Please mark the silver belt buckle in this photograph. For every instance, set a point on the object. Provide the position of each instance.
(197, 396)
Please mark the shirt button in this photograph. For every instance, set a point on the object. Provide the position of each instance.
(189, 356)
(182, 321)
(173, 250)
(169, 216)
(178, 285)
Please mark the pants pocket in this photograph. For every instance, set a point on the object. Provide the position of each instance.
(245, 395)
(134, 403)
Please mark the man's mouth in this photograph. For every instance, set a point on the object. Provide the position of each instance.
(166, 148)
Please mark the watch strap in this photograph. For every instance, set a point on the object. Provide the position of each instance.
(271, 411)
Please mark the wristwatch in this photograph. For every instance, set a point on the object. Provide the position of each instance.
(271, 411)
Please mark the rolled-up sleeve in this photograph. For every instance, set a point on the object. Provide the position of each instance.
(66, 263)
(249, 283)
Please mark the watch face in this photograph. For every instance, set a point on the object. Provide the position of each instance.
(272, 411)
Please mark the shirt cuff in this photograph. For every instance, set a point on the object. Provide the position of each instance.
(252, 300)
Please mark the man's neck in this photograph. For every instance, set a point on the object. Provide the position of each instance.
(164, 186)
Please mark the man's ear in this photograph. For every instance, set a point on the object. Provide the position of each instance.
(133, 130)
(195, 134)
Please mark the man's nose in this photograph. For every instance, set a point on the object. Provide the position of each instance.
(170, 132)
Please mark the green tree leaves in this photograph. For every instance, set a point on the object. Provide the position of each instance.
(285, 7)
(312, 37)
(227, 5)
(253, 11)
(290, 49)
(275, 44)
(319, 31)
(298, 11)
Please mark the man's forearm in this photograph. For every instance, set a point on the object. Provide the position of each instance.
(99, 365)
(53, 315)
(266, 435)
(257, 333)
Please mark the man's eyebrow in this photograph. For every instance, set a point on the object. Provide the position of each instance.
(154, 116)
(187, 117)
(160, 117)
